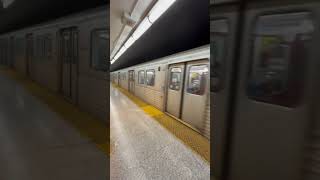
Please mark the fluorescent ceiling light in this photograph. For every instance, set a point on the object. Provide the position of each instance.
(113, 60)
(129, 42)
(116, 56)
(6, 3)
(159, 8)
(120, 52)
(143, 27)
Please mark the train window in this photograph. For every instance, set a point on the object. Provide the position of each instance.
(150, 76)
(175, 78)
(100, 49)
(141, 77)
(197, 79)
(279, 57)
(219, 31)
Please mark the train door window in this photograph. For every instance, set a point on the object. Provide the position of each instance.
(219, 32)
(43, 45)
(75, 47)
(48, 45)
(150, 76)
(141, 77)
(131, 75)
(100, 49)
(175, 78)
(38, 47)
(279, 57)
(197, 79)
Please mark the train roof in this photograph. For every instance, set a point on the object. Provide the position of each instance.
(213, 2)
(65, 20)
(202, 52)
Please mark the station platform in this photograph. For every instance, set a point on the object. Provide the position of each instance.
(38, 142)
(142, 148)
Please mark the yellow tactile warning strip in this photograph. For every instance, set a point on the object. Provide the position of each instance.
(191, 138)
(88, 126)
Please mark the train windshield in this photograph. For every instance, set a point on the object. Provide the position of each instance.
(279, 57)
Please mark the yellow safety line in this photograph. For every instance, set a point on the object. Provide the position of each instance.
(188, 136)
(87, 125)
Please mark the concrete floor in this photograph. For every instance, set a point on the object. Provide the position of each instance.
(36, 144)
(144, 150)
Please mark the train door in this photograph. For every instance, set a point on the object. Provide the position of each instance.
(131, 81)
(69, 55)
(187, 92)
(29, 53)
(195, 94)
(119, 76)
(4, 52)
(175, 89)
(11, 52)
(223, 30)
(273, 90)
(7, 52)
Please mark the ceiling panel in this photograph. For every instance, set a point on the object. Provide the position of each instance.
(119, 31)
(184, 26)
(23, 13)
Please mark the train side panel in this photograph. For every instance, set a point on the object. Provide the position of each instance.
(90, 78)
(19, 55)
(44, 62)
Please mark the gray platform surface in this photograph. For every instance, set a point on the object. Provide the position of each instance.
(36, 144)
(144, 150)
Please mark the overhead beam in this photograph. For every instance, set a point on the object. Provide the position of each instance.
(6, 3)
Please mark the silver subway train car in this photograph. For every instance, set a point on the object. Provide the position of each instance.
(178, 84)
(67, 55)
(265, 89)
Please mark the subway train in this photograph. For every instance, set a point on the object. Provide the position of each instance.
(265, 89)
(68, 55)
(177, 85)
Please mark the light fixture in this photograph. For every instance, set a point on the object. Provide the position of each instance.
(129, 42)
(143, 27)
(116, 56)
(122, 50)
(113, 60)
(159, 8)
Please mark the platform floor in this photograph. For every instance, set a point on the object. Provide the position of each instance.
(37, 144)
(142, 149)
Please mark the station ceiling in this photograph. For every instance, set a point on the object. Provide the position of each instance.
(184, 26)
(24, 13)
